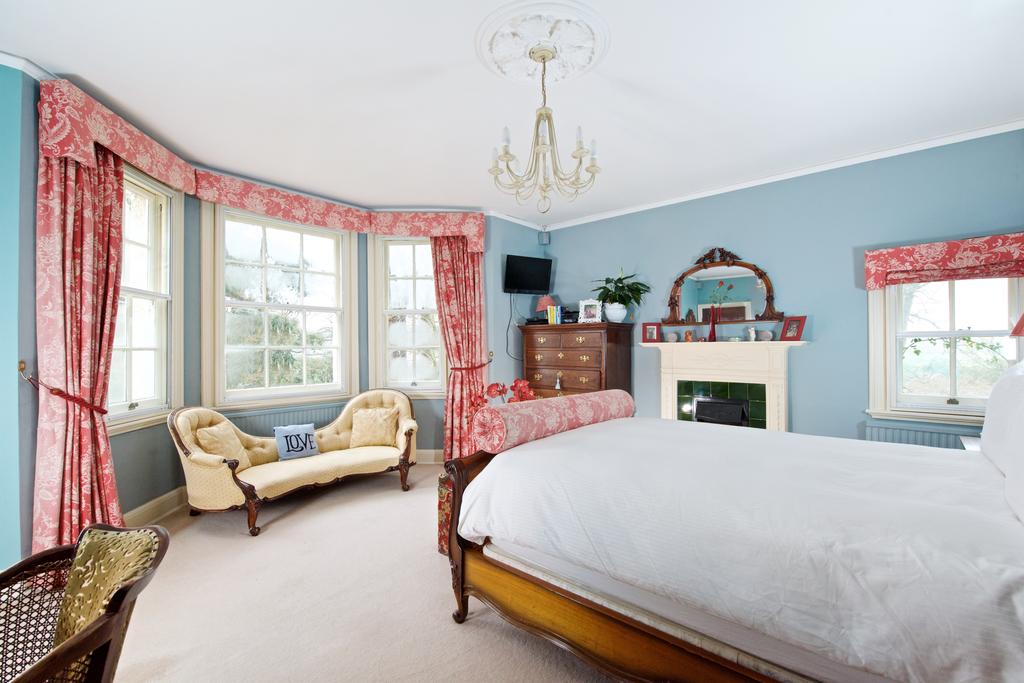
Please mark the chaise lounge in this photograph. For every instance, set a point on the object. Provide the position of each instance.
(218, 478)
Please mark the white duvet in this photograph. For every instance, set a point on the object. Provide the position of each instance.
(904, 561)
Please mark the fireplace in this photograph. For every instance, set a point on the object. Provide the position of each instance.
(752, 371)
(722, 411)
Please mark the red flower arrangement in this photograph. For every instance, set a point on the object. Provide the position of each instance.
(520, 391)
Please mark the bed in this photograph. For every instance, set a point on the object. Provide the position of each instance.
(662, 550)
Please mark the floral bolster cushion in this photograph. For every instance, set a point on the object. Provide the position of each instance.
(499, 428)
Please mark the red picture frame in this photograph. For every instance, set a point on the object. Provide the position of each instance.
(793, 328)
(650, 333)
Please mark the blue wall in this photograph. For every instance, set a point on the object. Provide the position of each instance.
(17, 272)
(503, 238)
(809, 234)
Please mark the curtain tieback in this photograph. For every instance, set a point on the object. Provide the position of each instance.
(59, 393)
(472, 367)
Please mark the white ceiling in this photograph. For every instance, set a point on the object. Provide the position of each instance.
(384, 104)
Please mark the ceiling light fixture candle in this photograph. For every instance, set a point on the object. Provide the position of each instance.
(544, 171)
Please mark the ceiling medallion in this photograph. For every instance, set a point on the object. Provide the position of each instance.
(557, 38)
(578, 35)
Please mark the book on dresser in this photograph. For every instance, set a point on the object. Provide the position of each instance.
(559, 360)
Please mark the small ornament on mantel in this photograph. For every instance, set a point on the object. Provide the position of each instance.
(690, 317)
(688, 335)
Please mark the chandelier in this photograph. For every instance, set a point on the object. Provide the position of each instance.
(544, 171)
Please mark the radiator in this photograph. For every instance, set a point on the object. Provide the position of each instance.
(262, 422)
(921, 437)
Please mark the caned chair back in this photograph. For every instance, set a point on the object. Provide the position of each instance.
(64, 611)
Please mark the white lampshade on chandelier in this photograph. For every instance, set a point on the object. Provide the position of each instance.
(544, 169)
(561, 39)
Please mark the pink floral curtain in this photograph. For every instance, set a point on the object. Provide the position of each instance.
(458, 278)
(459, 281)
(966, 259)
(78, 272)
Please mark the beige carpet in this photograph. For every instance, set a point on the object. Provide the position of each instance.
(344, 583)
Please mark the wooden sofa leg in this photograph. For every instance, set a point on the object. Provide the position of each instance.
(252, 506)
(403, 473)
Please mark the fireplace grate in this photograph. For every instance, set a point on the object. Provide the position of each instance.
(723, 411)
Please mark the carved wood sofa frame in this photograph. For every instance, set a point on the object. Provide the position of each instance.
(622, 647)
(254, 503)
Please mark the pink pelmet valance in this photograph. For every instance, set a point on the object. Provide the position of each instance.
(299, 208)
(71, 124)
(966, 259)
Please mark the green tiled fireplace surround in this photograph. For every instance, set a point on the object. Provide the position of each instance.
(687, 390)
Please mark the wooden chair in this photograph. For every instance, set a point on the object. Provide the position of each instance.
(64, 611)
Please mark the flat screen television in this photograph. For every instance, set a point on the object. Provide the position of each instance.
(527, 275)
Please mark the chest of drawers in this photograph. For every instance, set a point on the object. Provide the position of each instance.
(577, 358)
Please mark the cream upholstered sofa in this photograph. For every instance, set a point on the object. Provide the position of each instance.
(216, 481)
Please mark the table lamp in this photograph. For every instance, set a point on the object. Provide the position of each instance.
(548, 300)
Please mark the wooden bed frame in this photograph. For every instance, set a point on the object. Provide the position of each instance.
(605, 639)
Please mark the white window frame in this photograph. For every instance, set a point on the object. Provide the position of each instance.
(377, 300)
(883, 370)
(214, 393)
(155, 412)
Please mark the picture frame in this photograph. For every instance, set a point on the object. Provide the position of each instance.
(793, 328)
(731, 311)
(651, 333)
(590, 311)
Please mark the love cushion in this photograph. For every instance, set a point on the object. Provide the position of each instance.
(295, 441)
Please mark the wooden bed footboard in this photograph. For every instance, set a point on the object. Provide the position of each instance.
(620, 646)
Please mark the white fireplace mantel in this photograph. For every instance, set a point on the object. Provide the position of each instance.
(751, 362)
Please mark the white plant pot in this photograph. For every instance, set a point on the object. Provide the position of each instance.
(615, 313)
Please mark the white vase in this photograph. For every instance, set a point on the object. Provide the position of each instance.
(615, 313)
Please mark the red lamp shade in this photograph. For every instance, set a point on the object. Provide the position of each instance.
(544, 302)
(1018, 329)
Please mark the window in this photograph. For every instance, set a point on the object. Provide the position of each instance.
(945, 345)
(405, 325)
(145, 372)
(282, 319)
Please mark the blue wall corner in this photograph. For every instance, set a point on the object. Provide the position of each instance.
(18, 95)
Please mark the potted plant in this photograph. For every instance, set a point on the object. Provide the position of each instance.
(616, 293)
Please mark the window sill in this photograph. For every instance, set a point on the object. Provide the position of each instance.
(422, 395)
(122, 425)
(283, 402)
(922, 416)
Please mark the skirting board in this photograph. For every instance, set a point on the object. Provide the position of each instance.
(430, 456)
(156, 509)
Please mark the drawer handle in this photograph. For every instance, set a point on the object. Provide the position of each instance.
(538, 377)
(541, 340)
(561, 355)
(584, 357)
(580, 340)
(539, 357)
(584, 380)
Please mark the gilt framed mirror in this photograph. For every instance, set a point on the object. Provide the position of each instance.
(742, 292)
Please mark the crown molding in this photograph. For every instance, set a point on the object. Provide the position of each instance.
(25, 66)
(1017, 124)
(518, 221)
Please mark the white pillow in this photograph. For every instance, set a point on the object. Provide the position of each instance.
(1002, 437)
